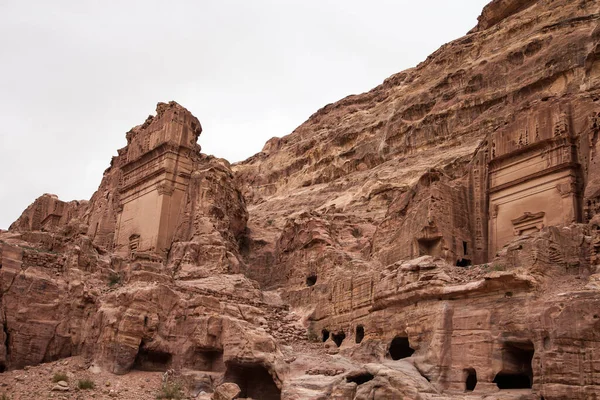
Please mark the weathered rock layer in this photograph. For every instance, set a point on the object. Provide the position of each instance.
(434, 236)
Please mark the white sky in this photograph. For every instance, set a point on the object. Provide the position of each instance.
(76, 75)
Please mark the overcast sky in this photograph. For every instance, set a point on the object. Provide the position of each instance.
(76, 75)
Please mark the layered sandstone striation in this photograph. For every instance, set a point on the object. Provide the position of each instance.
(436, 237)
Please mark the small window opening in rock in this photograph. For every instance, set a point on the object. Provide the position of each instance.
(517, 372)
(146, 320)
(253, 380)
(151, 360)
(463, 262)
(311, 280)
(360, 333)
(338, 338)
(324, 335)
(470, 379)
(465, 248)
(400, 348)
(360, 378)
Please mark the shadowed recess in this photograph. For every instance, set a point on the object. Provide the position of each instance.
(400, 348)
(254, 381)
(151, 360)
(338, 338)
(517, 372)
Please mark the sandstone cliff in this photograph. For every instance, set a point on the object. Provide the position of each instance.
(436, 237)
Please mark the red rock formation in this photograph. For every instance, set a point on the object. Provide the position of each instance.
(48, 214)
(435, 235)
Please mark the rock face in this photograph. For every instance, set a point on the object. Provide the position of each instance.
(434, 236)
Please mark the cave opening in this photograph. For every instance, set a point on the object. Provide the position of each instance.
(338, 338)
(470, 379)
(151, 360)
(512, 381)
(400, 348)
(360, 334)
(324, 335)
(360, 378)
(517, 372)
(463, 262)
(253, 380)
(311, 280)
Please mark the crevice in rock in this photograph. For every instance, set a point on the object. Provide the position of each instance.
(6, 337)
(254, 381)
(311, 280)
(422, 374)
(324, 335)
(55, 348)
(360, 378)
(6, 344)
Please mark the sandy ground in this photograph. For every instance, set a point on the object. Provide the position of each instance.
(37, 383)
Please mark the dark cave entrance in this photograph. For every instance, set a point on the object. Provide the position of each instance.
(360, 334)
(151, 360)
(463, 262)
(324, 335)
(338, 338)
(311, 280)
(470, 379)
(512, 381)
(254, 381)
(360, 378)
(517, 372)
(400, 348)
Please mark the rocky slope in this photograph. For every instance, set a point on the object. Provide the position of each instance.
(434, 238)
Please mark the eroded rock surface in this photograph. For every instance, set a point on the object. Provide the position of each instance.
(434, 238)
